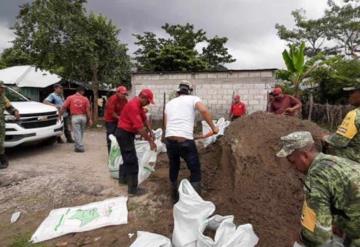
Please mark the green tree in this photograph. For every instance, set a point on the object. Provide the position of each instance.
(215, 54)
(311, 32)
(344, 27)
(14, 56)
(60, 36)
(179, 51)
(335, 74)
(337, 32)
(297, 68)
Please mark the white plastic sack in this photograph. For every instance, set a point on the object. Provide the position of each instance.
(189, 214)
(227, 234)
(147, 239)
(146, 157)
(222, 124)
(82, 218)
(115, 158)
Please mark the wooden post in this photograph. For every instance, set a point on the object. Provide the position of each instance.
(328, 113)
(163, 116)
(311, 105)
(232, 102)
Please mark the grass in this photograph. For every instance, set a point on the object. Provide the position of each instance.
(22, 240)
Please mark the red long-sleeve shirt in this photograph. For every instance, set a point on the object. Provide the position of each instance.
(114, 105)
(132, 117)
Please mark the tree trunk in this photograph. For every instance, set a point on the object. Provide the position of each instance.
(95, 90)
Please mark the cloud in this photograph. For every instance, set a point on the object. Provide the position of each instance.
(249, 24)
(6, 36)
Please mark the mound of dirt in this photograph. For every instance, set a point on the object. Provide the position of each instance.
(243, 176)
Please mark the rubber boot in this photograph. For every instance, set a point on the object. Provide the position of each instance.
(4, 162)
(122, 176)
(197, 187)
(174, 192)
(133, 189)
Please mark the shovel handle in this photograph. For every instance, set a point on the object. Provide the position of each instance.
(207, 135)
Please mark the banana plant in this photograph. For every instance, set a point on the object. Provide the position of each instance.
(297, 69)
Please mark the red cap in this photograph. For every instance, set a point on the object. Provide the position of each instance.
(237, 97)
(122, 90)
(277, 91)
(147, 93)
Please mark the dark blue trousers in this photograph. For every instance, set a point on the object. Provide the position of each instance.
(188, 151)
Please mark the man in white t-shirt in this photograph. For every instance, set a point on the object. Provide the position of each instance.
(179, 124)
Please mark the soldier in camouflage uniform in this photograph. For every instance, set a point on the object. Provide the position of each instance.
(346, 141)
(332, 193)
(4, 105)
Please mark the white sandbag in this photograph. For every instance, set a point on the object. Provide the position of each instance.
(206, 129)
(216, 223)
(222, 124)
(189, 214)
(82, 218)
(147, 239)
(227, 234)
(146, 157)
(115, 158)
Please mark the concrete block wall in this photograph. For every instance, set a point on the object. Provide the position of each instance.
(214, 88)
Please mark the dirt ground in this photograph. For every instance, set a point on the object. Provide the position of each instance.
(42, 177)
(241, 175)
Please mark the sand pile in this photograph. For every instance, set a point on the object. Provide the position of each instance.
(243, 177)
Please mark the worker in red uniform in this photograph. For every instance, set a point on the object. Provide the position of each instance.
(113, 109)
(80, 112)
(238, 108)
(284, 104)
(132, 121)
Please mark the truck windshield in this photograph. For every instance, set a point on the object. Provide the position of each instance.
(14, 96)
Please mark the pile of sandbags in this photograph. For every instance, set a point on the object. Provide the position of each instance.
(192, 218)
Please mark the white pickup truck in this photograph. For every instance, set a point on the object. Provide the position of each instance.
(37, 121)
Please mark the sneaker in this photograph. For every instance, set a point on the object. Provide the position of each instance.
(77, 150)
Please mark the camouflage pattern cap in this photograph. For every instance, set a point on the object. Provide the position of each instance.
(294, 141)
(2, 84)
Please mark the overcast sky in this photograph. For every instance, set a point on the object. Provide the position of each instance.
(249, 24)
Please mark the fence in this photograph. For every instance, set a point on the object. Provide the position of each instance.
(324, 114)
